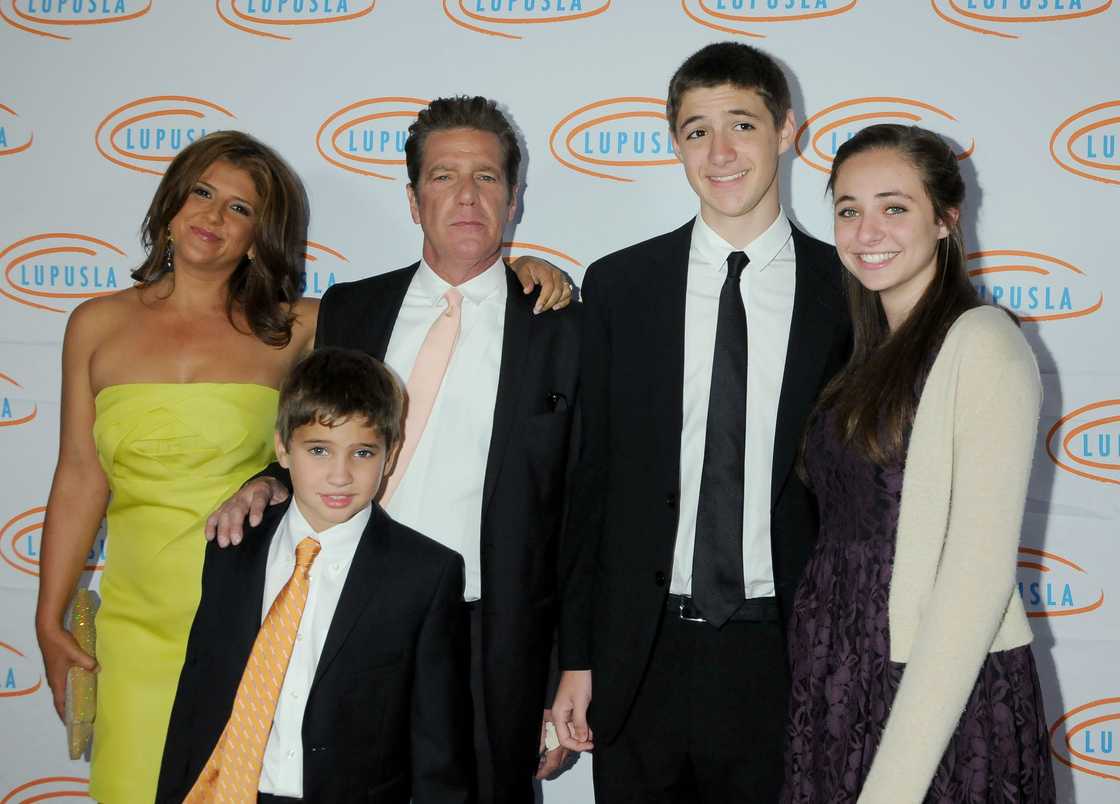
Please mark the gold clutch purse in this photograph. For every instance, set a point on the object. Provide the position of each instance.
(81, 684)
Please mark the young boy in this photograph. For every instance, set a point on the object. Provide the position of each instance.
(328, 658)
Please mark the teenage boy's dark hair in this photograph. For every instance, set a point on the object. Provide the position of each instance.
(461, 111)
(331, 385)
(732, 63)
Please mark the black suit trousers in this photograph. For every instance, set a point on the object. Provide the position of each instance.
(707, 725)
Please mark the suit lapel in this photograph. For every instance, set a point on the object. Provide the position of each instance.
(666, 306)
(364, 580)
(515, 348)
(384, 309)
(253, 566)
(816, 318)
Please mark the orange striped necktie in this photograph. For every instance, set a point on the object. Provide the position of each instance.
(232, 774)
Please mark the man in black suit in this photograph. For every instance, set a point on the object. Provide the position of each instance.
(489, 476)
(689, 524)
(373, 704)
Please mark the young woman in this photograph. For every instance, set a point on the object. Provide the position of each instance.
(912, 674)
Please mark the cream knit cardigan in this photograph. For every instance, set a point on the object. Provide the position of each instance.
(953, 597)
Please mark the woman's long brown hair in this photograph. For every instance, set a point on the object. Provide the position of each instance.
(876, 395)
(262, 289)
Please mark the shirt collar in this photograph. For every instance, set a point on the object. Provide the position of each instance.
(476, 290)
(338, 541)
(712, 249)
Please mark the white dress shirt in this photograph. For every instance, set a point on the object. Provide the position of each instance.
(767, 286)
(282, 771)
(440, 494)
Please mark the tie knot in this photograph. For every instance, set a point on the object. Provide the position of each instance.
(306, 551)
(736, 262)
(453, 298)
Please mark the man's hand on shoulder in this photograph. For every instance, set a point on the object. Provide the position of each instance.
(226, 524)
(569, 710)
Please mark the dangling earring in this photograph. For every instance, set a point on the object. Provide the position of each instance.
(169, 261)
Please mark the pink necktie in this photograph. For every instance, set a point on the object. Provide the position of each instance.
(424, 382)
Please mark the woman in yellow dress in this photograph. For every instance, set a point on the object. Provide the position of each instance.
(168, 405)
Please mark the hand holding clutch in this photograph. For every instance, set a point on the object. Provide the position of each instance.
(81, 684)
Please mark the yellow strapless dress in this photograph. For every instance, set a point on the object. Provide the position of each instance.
(171, 452)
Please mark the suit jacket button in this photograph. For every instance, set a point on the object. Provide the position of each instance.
(659, 578)
(671, 500)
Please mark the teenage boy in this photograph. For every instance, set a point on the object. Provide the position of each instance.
(692, 525)
(327, 660)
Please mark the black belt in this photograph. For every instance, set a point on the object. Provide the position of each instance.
(753, 610)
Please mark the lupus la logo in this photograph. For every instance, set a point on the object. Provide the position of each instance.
(20, 540)
(1003, 17)
(1053, 586)
(1086, 442)
(1036, 287)
(822, 134)
(145, 134)
(1084, 738)
(1085, 143)
(614, 138)
(18, 674)
(740, 16)
(500, 17)
(15, 137)
(49, 18)
(64, 787)
(14, 410)
(268, 17)
(58, 270)
(368, 134)
(322, 266)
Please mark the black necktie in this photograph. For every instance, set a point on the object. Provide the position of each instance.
(717, 562)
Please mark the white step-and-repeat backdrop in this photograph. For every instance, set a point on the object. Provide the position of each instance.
(98, 95)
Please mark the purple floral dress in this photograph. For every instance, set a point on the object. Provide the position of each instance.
(842, 679)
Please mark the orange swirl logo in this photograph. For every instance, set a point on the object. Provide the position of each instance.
(1084, 738)
(14, 411)
(1034, 286)
(490, 17)
(40, 16)
(367, 136)
(512, 249)
(268, 18)
(66, 787)
(19, 675)
(14, 136)
(1086, 442)
(822, 134)
(614, 138)
(1085, 143)
(20, 542)
(1053, 586)
(323, 264)
(56, 271)
(739, 16)
(1002, 17)
(145, 134)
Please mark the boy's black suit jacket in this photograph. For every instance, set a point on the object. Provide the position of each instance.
(388, 715)
(623, 520)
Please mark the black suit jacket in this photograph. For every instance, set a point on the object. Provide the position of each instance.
(388, 715)
(624, 504)
(524, 494)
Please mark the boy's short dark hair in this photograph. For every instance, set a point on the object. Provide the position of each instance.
(331, 385)
(461, 111)
(732, 63)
